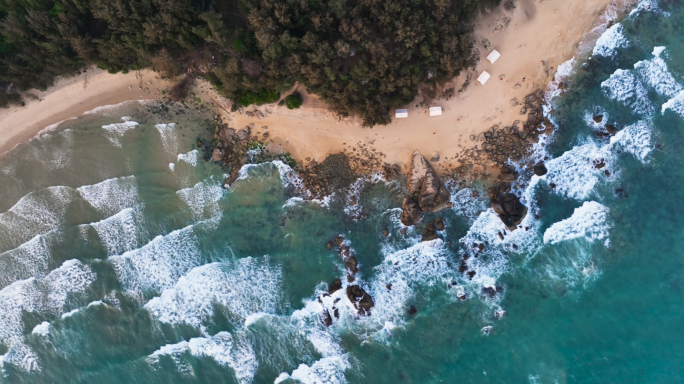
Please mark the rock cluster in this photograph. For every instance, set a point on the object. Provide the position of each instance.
(362, 301)
(431, 229)
(333, 174)
(508, 206)
(427, 191)
(228, 147)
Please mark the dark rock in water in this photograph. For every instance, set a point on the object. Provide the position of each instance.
(339, 240)
(598, 118)
(621, 193)
(389, 287)
(350, 278)
(410, 212)
(501, 236)
(366, 302)
(481, 247)
(360, 298)
(499, 314)
(329, 245)
(335, 286)
(352, 261)
(607, 173)
(611, 129)
(540, 169)
(199, 143)
(600, 163)
(463, 267)
(508, 206)
(491, 291)
(404, 231)
(439, 223)
(412, 310)
(336, 313)
(324, 317)
(462, 297)
(430, 233)
(552, 185)
(385, 232)
(471, 274)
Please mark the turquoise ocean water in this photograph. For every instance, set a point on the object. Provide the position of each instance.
(123, 260)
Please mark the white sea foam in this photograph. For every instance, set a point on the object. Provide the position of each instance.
(655, 74)
(168, 137)
(42, 329)
(112, 195)
(249, 286)
(614, 38)
(328, 370)
(575, 174)
(203, 199)
(114, 132)
(649, 6)
(190, 157)
(36, 213)
(70, 313)
(29, 259)
(590, 221)
(172, 167)
(49, 294)
(624, 86)
(290, 179)
(160, 263)
(635, 139)
(120, 233)
(675, 104)
(223, 348)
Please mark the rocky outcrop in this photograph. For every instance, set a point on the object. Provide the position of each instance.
(335, 286)
(410, 212)
(428, 193)
(430, 233)
(540, 169)
(508, 206)
(361, 299)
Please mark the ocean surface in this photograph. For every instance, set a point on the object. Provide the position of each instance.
(124, 260)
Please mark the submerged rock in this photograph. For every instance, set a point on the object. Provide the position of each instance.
(439, 223)
(325, 318)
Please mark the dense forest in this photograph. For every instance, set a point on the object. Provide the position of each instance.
(363, 57)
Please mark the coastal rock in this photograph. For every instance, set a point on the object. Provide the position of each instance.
(360, 298)
(540, 169)
(508, 206)
(217, 154)
(410, 212)
(329, 245)
(392, 171)
(244, 133)
(335, 286)
(325, 318)
(419, 168)
(611, 129)
(439, 223)
(430, 233)
(412, 310)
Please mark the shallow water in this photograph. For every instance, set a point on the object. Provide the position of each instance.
(123, 260)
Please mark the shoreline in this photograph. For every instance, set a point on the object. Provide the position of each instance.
(70, 98)
(311, 133)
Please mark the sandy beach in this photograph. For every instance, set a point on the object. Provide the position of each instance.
(534, 37)
(70, 98)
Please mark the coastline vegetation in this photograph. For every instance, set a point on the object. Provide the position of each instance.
(363, 57)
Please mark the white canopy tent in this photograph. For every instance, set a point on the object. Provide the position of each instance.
(484, 77)
(401, 113)
(494, 56)
(435, 111)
